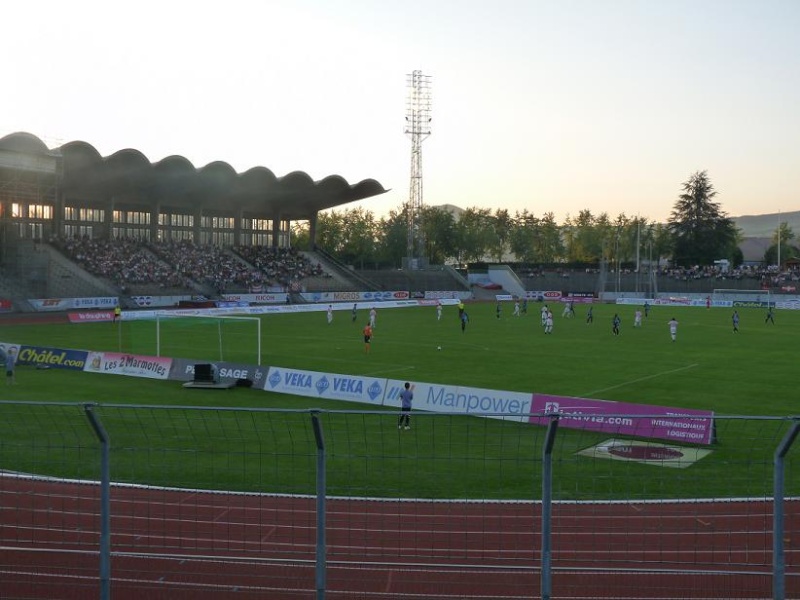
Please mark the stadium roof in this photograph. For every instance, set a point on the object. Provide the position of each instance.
(130, 177)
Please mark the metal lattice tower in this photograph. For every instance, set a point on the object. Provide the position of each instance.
(418, 127)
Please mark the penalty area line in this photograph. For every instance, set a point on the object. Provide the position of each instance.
(653, 376)
(409, 368)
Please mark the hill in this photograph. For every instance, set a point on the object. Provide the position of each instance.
(765, 225)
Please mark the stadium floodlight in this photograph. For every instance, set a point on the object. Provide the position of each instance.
(418, 127)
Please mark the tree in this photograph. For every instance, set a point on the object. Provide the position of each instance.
(702, 232)
(359, 233)
(584, 237)
(523, 237)
(502, 230)
(392, 238)
(300, 235)
(330, 227)
(783, 236)
(551, 247)
(439, 228)
(475, 234)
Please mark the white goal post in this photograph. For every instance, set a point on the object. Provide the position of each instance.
(221, 334)
(734, 295)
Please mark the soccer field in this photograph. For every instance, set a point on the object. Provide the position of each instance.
(709, 367)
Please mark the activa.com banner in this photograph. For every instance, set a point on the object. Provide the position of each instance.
(622, 418)
(111, 363)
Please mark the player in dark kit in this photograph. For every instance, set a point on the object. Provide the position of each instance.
(406, 397)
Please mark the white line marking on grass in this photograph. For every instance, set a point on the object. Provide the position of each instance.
(408, 368)
(654, 375)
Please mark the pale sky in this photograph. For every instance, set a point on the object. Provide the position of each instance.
(561, 105)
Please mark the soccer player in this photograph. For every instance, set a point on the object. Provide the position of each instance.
(516, 308)
(464, 320)
(354, 312)
(637, 318)
(735, 321)
(770, 317)
(330, 314)
(498, 309)
(406, 397)
(525, 306)
(438, 310)
(673, 328)
(367, 337)
(590, 315)
(548, 322)
(545, 310)
(11, 364)
(117, 313)
(646, 309)
(615, 324)
(373, 317)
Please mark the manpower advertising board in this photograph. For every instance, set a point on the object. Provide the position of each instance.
(460, 399)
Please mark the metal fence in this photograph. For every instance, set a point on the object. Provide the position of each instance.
(119, 501)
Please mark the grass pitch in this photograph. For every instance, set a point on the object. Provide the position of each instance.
(709, 367)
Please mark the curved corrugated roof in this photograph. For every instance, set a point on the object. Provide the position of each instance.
(174, 180)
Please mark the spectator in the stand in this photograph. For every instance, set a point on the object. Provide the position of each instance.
(179, 263)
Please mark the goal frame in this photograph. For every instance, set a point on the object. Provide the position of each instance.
(731, 293)
(220, 319)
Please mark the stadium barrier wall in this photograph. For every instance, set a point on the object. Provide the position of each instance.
(689, 426)
(62, 304)
(138, 501)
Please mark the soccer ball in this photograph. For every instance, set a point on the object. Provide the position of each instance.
(438, 347)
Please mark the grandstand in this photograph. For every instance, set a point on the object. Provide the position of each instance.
(76, 224)
(131, 226)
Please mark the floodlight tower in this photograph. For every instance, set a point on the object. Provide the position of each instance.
(418, 127)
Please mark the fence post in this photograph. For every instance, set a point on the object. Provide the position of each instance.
(320, 571)
(105, 502)
(778, 555)
(547, 502)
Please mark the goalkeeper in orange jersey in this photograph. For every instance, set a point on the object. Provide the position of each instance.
(367, 337)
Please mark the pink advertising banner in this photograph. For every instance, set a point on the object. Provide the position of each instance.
(91, 316)
(640, 420)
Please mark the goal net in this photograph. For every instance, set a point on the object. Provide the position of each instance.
(749, 297)
(223, 338)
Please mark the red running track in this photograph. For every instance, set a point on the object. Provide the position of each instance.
(201, 546)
